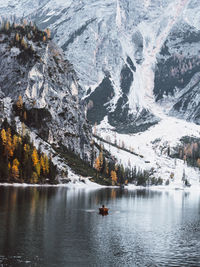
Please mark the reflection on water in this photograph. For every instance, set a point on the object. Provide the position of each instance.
(62, 227)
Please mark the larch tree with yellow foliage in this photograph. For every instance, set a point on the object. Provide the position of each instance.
(35, 158)
(3, 136)
(9, 145)
(24, 43)
(7, 26)
(17, 37)
(21, 161)
(38, 168)
(15, 141)
(114, 176)
(15, 169)
(97, 164)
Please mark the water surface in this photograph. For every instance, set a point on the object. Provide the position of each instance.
(62, 227)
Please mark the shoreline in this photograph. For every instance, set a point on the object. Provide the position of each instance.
(91, 185)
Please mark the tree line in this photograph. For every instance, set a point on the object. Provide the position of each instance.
(24, 36)
(24, 30)
(119, 175)
(21, 162)
(190, 151)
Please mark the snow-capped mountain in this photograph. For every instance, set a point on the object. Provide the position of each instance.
(129, 55)
(34, 69)
(138, 66)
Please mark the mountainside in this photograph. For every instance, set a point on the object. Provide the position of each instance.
(34, 73)
(177, 79)
(129, 55)
(138, 71)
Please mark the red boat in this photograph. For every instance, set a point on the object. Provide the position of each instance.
(103, 211)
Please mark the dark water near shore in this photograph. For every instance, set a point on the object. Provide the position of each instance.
(61, 227)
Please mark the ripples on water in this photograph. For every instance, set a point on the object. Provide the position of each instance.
(62, 227)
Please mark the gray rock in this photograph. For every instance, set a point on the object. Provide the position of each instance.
(49, 89)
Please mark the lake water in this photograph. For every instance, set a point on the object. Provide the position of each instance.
(62, 227)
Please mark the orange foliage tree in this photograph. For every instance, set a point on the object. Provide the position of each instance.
(114, 176)
(3, 136)
(15, 169)
(35, 158)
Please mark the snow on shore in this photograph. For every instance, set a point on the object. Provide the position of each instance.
(152, 148)
(83, 183)
(87, 184)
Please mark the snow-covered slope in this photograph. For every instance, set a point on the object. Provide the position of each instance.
(152, 147)
(123, 41)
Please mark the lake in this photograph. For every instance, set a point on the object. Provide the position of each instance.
(56, 226)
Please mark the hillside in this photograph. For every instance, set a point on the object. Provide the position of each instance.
(39, 91)
(40, 106)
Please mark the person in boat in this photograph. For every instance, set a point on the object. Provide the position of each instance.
(103, 210)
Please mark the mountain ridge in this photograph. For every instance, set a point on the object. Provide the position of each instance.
(104, 39)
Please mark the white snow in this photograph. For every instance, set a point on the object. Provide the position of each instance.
(15, 51)
(156, 32)
(74, 89)
(84, 183)
(153, 145)
(75, 180)
(36, 76)
(118, 15)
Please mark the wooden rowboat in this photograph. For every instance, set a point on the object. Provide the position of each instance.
(103, 211)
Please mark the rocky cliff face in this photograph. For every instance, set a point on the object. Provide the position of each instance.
(135, 60)
(177, 75)
(134, 52)
(32, 67)
(131, 57)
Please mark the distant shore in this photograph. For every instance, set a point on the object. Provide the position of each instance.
(91, 185)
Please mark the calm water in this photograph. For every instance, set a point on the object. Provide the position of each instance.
(61, 227)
